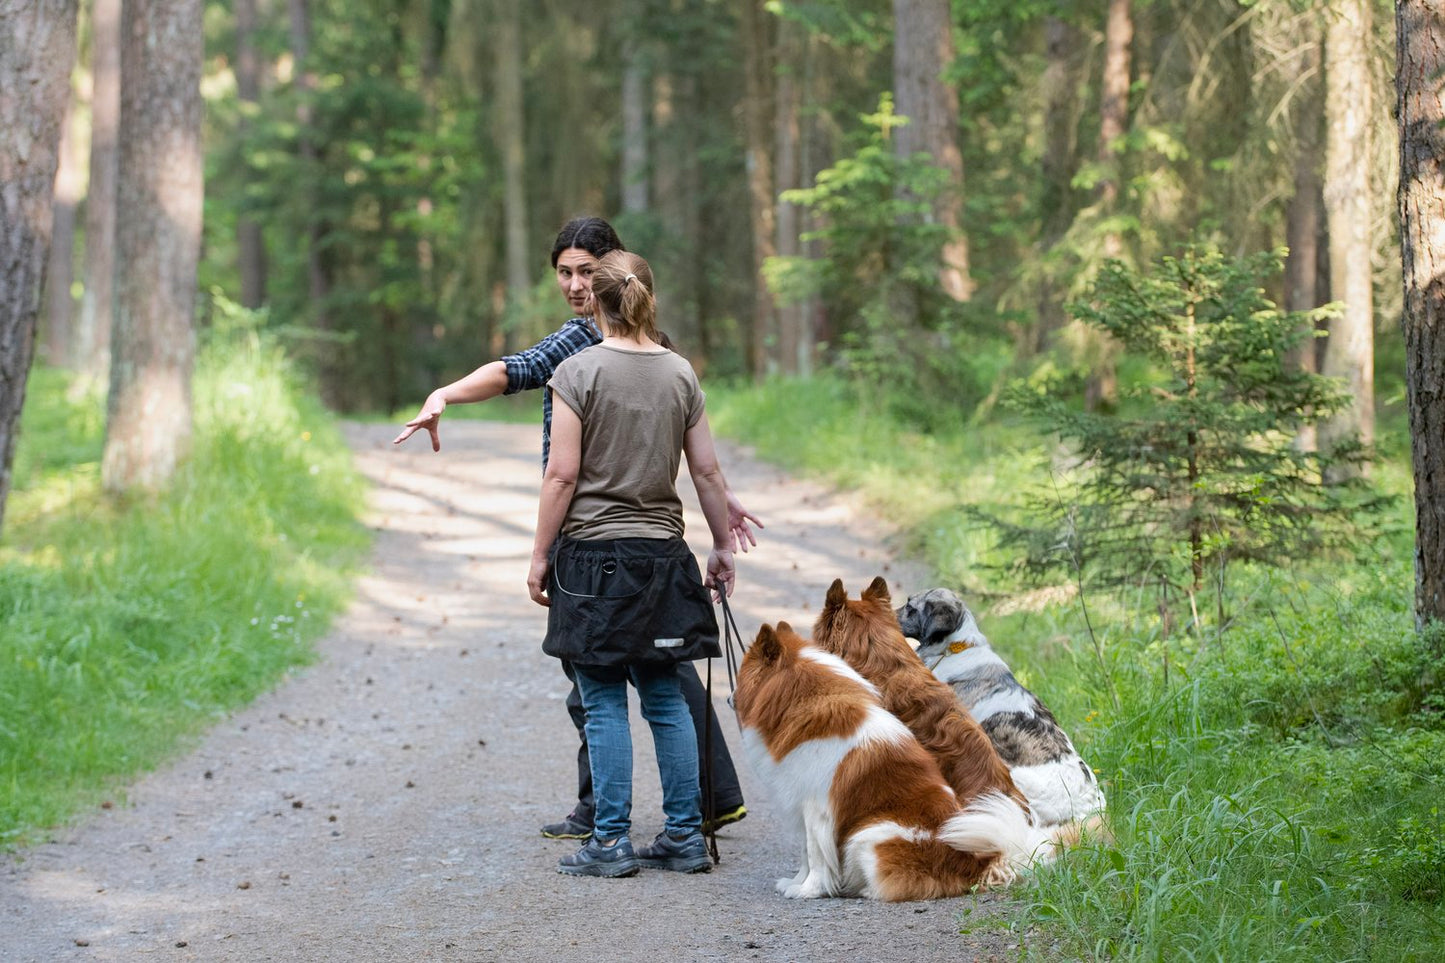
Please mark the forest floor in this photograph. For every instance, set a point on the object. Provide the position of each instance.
(383, 804)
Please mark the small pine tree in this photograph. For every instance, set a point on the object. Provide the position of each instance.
(1199, 466)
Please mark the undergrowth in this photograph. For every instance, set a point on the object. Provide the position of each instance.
(127, 626)
(1274, 788)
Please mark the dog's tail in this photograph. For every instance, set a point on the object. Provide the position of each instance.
(994, 823)
(1070, 834)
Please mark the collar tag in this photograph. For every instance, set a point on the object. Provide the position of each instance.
(958, 647)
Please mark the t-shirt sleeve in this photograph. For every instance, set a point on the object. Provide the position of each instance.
(695, 396)
(566, 386)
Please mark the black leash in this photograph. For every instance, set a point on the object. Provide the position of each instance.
(732, 640)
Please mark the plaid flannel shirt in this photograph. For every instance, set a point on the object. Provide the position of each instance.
(533, 367)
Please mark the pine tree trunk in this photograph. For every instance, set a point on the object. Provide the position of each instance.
(794, 346)
(250, 244)
(59, 340)
(97, 304)
(1114, 108)
(1420, 64)
(35, 60)
(158, 242)
(1350, 351)
(674, 112)
(1101, 388)
(1060, 83)
(922, 51)
(634, 131)
(758, 60)
(511, 136)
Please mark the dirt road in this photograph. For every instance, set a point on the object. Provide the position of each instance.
(383, 804)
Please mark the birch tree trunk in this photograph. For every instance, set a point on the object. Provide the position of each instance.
(922, 50)
(37, 50)
(1350, 351)
(158, 244)
(1420, 65)
(97, 304)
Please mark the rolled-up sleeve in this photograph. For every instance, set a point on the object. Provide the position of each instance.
(533, 367)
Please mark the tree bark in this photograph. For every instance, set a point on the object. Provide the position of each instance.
(250, 244)
(59, 340)
(634, 127)
(92, 341)
(1114, 107)
(1061, 115)
(795, 347)
(510, 132)
(1420, 65)
(922, 50)
(158, 242)
(36, 55)
(758, 63)
(1350, 351)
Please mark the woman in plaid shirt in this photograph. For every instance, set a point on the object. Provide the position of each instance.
(581, 243)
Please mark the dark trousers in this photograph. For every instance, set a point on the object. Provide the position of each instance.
(724, 790)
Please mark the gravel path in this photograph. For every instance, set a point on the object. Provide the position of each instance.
(383, 804)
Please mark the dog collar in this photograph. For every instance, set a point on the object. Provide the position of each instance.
(957, 647)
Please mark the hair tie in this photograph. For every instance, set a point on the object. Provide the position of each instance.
(630, 277)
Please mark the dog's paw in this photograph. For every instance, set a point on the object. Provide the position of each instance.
(785, 884)
(809, 888)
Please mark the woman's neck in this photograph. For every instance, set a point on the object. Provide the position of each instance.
(634, 342)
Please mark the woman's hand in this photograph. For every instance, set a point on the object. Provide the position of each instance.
(537, 582)
(738, 518)
(429, 418)
(721, 575)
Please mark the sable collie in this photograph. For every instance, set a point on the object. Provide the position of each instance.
(1061, 788)
(865, 634)
(875, 816)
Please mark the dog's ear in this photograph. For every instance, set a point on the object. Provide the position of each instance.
(877, 590)
(836, 595)
(766, 645)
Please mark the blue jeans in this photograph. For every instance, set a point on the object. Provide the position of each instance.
(609, 740)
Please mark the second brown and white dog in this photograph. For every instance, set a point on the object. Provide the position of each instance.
(1062, 790)
(873, 812)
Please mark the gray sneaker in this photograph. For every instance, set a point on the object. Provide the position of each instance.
(594, 859)
(686, 855)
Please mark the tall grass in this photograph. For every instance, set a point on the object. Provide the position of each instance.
(124, 627)
(1273, 789)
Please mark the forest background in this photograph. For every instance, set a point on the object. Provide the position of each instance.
(1013, 269)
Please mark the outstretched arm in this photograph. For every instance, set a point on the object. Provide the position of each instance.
(712, 495)
(486, 382)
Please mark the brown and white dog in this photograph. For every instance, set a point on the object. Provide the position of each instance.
(875, 816)
(864, 632)
(1062, 790)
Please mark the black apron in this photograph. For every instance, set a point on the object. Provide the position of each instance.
(628, 601)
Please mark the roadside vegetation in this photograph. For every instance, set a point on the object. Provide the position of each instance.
(1273, 781)
(128, 627)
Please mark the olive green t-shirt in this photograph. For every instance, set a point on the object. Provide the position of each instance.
(635, 406)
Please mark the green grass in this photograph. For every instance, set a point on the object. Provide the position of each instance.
(126, 628)
(1274, 790)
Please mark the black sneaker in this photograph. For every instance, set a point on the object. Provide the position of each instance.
(594, 859)
(686, 855)
(726, 818)
(569, 828)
